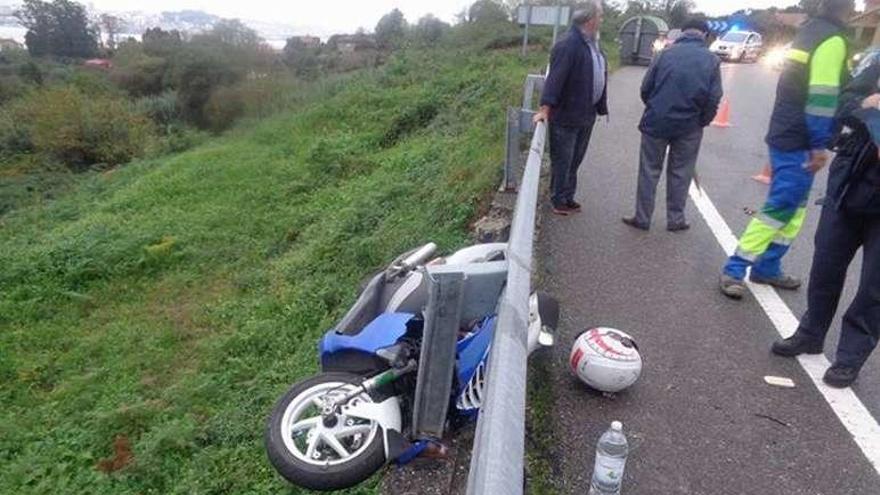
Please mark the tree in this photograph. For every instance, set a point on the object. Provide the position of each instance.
(235, 33)
(811, 7)
(488, 11)
(60, 28)
(391, 30)
(197, 70)
(430, 29)
(220, 57)
(301, 57)
(111, 26)
(677, 12)
(160, 43)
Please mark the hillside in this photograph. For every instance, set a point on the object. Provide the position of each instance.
(151, 315)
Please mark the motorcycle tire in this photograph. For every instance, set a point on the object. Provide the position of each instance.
(369, 459)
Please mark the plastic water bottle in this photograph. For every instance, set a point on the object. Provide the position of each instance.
(610, 461)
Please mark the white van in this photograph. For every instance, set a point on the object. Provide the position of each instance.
(738, 46)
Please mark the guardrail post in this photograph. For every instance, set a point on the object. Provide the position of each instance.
(437, 360)
(519, 121)
(511, 151)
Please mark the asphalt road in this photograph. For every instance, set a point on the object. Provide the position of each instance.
(701, 420)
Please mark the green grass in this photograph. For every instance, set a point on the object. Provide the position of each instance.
(150, 316)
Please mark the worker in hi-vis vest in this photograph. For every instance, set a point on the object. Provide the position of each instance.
(800, 133)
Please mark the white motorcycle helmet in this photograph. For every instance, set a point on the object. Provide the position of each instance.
(606, 359)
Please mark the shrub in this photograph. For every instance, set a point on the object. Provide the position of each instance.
(11, 87)
(141, 75)
(31, 73)
(83, 130)
(92, 83)
(251, 98)
(162, 109)
(14, 135)
(176, 138)
(223, 108)
(197, 72)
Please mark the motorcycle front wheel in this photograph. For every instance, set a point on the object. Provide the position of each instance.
(318, 453)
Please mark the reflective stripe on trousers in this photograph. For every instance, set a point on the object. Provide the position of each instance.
(770, 234)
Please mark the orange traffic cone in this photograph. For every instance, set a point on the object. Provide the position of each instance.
(765, 176)
(723, 117)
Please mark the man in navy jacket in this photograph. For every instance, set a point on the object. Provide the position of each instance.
(574, 94)
(681, 92)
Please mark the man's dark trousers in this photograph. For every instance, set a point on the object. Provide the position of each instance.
(683, 152)
(838, 238)
(568, 145)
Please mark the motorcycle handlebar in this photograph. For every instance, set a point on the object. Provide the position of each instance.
(411, 261)
(420, 256)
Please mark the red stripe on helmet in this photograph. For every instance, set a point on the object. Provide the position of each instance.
(576, 359)
(597, 338)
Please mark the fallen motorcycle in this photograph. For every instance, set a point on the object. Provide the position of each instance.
(337, 428)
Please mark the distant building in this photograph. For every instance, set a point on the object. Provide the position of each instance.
(307, 41)
(867, 23)
(351, 43)
(9, 44)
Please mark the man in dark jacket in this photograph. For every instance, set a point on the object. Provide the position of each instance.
(850, 220)
(574, 93)
(681, 92)
(800, 132)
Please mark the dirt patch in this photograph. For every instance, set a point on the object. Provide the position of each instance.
(122, 456)
(434, 476)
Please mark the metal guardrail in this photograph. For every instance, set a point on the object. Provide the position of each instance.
(499, 446)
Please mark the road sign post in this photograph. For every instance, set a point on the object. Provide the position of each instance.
(556, 22)
(539, 15)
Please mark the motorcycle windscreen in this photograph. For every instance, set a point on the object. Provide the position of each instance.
(384, 331)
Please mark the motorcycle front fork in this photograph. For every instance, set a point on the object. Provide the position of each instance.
(378, 381)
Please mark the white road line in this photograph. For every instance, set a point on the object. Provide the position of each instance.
(846, 405)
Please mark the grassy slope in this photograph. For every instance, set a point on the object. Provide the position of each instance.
(164, 306)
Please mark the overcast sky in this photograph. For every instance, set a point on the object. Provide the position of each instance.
(348, 15)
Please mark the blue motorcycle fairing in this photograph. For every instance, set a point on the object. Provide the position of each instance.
(473, 350)
(384, 331)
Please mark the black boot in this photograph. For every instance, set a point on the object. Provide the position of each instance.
(796, 345)
(840, 376)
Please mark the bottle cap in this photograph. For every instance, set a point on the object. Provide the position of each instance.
(617, 426)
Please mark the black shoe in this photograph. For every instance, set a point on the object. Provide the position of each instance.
(678, 227)
(796, 345)
(840, 376)
(573, 206)
(632, 222)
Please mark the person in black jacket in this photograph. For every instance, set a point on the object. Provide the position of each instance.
(681, 92)
(574, 94)
(850, 220)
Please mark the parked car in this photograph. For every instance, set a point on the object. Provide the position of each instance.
(738, 46)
